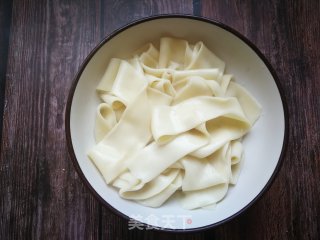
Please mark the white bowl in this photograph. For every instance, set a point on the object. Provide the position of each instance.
(264, 145)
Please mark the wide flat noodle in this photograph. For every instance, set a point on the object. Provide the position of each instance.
(105, 121)
(221, 131)
(164, 155)
(192, 87)
(209, 176)
(250, 106)
(159, 199)
(151, 188)
(174, 53)
(110, 154)
(204, 58)
(171, 121)
(203, 197)
(209, 74)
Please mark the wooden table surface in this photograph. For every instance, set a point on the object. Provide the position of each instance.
(42, 44)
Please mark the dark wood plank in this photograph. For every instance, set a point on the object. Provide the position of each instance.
(42, 196)
(288, 33)
(120, 12)
(5, 22)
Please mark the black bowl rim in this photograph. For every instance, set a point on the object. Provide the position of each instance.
(197, 18)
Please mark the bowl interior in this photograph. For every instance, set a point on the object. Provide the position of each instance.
(263, 145)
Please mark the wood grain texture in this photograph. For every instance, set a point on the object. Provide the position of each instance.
(42, 196)
(5, 22)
